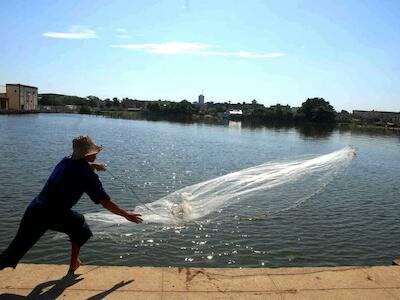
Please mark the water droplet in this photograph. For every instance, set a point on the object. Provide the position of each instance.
(188, 259)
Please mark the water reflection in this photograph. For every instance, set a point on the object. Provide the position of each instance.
(368, 131)
(235, 125)
(320, 131)
(306, 130)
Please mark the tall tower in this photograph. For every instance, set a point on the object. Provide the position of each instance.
(201, 99)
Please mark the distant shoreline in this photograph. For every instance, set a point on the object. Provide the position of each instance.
(207, 119)
(19, 112)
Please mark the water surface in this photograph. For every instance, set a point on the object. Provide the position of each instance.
(354, 221)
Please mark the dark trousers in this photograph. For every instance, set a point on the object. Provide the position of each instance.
(35, 222)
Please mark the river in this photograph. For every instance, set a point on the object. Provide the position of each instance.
(353, 221)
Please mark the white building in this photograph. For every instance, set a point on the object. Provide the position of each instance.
(236, 112)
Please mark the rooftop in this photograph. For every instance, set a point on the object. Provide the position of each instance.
(375, 111)
(35, 87)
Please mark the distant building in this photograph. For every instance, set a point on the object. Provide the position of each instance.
(21, 97)
(3, 101)
(201, 100)
(235, 114)
(281, 107)
(379, 117)
(71, 107)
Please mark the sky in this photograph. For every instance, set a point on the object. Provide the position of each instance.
(345, 51)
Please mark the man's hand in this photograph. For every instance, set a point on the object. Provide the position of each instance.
(98, 166)
(133, 217)
(113, 207)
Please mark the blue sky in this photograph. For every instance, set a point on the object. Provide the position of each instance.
(273, 51)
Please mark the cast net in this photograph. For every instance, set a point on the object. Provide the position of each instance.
(251, 193)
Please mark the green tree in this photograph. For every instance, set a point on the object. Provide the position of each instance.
(93, 101)
(85, 110)
(116, 102)
(317, 110)
(60, 100)
(107, 102)
(154, 106)
(184, 107)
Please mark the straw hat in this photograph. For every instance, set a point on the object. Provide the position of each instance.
(84, 146)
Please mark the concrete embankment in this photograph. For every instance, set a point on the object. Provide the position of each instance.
(98, 282)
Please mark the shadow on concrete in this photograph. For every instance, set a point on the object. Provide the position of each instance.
(106, 293)
(57, 288)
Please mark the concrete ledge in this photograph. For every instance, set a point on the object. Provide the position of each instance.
(98, 282)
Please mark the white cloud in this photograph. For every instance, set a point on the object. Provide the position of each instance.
(258, 55)
(166, 48)
(75, 32)
(170, 48)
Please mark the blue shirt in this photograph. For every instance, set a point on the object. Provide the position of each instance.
(66, 185)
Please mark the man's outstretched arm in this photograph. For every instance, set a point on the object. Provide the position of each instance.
(115, 209)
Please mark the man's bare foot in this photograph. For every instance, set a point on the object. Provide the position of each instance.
(74, 265)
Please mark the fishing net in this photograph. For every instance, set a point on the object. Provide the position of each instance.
(251, 193)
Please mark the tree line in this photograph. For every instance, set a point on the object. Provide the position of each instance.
(316, 110)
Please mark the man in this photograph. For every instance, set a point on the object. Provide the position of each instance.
(51, 209)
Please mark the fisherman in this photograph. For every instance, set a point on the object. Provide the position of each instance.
(51, 209)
